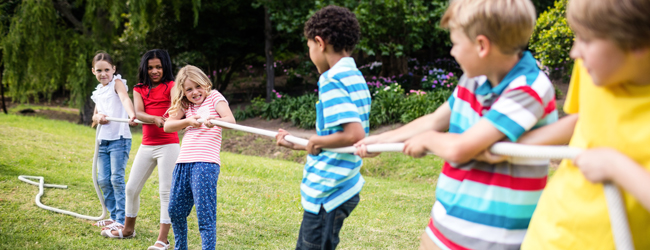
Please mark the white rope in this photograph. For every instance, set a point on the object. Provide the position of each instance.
(41, 184)
(615, 203)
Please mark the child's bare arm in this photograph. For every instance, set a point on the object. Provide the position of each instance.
(436, 121)
(138, 102)
(224, 111)
(280, 141)
(352, 133)
(124, 97)
(457, 148)
(99, 118)
(604, 164)
(558, 133)
(176, 123)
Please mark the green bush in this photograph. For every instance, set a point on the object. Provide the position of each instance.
(389, 105)
(552, 40)
(418, 104)
(299, 110)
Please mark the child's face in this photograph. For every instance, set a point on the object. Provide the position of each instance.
(316, 49)
(465, 52)
(604, 60)
(194, 92)
(103, 71)
(154, 70)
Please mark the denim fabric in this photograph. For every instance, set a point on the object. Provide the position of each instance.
(112, 159)
(321, 231)
(194, 183)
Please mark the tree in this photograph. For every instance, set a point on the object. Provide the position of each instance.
(227, 35)
(393, 29)
(50, 43)
(390, 29)
(288, 17)
(7, 9)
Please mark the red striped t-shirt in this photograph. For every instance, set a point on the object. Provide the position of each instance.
(202, 144)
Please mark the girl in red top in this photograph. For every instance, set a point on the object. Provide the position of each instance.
(198, 165)
(152, 97)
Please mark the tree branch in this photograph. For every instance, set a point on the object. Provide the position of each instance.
(64, 7)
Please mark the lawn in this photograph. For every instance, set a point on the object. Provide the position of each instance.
(258, 198)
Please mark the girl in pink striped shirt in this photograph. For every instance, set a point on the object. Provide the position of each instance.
(194, 181)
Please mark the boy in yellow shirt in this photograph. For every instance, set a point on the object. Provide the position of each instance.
(610, 89)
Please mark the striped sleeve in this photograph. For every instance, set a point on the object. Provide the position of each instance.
(338, 106)
(518, 109)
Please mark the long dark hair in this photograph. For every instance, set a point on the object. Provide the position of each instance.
(143, 75)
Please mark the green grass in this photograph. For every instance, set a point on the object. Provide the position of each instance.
(258, 198)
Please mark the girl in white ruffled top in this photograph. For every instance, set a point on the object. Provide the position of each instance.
(112, 100)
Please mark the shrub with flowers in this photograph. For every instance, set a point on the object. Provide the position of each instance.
(373, 68)
(377, 83)
(436, 79)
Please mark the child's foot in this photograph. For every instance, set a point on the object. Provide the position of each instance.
(159, 246)
(114, 226)
(119, 233)
(104, 223)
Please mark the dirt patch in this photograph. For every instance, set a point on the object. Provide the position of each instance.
(51, 114)
(257, 145)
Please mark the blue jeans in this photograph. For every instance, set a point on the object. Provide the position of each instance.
(193, 184)
(112, 159)
(321, 231)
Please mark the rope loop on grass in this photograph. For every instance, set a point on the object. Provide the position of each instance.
(41, 181)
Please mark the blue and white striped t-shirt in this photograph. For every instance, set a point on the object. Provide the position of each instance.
(330, 179)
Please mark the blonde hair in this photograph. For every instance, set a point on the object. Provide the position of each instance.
(625, 22)
(506, 23)
(194, 74)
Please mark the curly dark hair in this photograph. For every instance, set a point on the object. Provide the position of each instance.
(336, 25)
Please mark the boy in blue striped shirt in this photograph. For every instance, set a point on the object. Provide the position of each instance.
(331, 181)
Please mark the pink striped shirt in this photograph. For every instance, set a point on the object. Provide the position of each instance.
(202, 144)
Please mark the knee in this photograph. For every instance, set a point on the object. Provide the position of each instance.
(104, 182)
(132, 192)
(117, 181)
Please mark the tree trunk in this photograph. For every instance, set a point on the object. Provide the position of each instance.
(87, 111)
(268, 47)
(2, 90)
(393, 66)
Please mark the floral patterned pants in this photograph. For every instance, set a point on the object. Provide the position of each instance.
(194, 184)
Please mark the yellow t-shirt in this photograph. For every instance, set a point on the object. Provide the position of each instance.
(572, 212)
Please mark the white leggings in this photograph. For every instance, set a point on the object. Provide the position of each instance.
(145, 161)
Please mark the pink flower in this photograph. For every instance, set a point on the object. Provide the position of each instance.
(451, 74)
(214, 73)
(315, 90)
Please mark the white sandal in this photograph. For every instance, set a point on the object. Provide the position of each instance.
(107, 233)
(103, 223)
(164, 246)
(114, 226)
